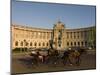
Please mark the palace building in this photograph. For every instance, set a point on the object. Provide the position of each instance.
(61, 37)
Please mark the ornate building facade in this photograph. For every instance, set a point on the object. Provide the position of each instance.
(61, 37)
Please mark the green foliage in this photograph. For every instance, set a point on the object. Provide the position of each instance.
(17, 50)
(92, 37)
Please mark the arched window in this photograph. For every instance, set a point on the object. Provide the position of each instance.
(78, 43)
(85, 43)
(30, 43)
(47, 43)
(21, 43)
(43, 44)
(35, 44)
(71, 44)
(82, 43)
(16, 43)
(26, 44)
(39, 44)
(74, 43)
(67, 43)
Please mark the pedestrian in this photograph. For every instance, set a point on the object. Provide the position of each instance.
(77, 57)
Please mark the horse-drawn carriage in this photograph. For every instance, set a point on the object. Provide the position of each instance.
(54, 56)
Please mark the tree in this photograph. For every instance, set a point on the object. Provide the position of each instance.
(92, 37)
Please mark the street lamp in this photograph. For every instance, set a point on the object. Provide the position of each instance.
(24, 44)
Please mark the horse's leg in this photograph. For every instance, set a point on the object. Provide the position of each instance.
(33, 61)
(78, 60)
(47, 59)
(70, 62)
(37, 61)
(42, 59)
(64, 61)
(55, 62)
(58, 60)
(52, 60)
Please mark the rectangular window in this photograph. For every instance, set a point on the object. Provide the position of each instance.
(67, 35)
(74, 35)
(71, 35)
(67, 43)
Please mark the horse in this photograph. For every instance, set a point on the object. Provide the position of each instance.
(74, 57)
(34, 58)
(37, 58)
(52, 57)
(67, 57)
(71, 57)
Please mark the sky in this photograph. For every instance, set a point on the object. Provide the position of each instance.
(45, 15)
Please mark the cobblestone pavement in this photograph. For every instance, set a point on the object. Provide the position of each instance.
(23, 64)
